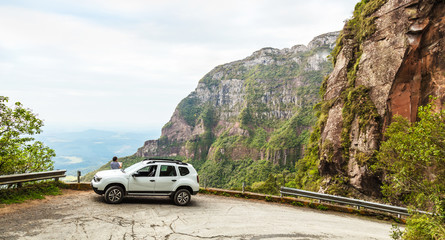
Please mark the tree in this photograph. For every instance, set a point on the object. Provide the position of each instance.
(19, 153)
(412, 161)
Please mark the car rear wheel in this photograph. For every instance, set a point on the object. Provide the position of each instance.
(182, 197)
(114, 194)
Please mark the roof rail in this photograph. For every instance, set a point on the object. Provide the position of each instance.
(163, 159)
(158, 159)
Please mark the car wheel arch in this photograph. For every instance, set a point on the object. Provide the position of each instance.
(116, 184)
(184, 187)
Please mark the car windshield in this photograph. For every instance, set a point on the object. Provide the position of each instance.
(133, 167)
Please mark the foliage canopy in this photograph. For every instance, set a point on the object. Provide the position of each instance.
(412, 161)
(19, 153)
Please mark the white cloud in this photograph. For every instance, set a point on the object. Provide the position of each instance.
(57, 140)
(127, 64)
(72, 159)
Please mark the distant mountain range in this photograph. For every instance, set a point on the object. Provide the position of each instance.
(90, 149)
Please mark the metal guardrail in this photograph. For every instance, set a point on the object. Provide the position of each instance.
(28, 177)
(348, 201)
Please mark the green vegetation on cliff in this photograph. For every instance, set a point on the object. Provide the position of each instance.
(358, 105)
(359, 28)
(189, 109)
(412, 161)
(355, 99)
(292, 134)
(259, 176)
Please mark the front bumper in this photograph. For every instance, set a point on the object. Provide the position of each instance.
(97, 191)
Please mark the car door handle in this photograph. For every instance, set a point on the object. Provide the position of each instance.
(174, 180)
(152, 180)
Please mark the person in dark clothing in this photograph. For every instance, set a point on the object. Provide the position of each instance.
(115, 164)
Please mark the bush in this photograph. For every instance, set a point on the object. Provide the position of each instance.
(29, 191)
(412, 162)
(267, 187)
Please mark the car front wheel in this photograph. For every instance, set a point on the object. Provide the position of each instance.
(182, 197)
(114, 194)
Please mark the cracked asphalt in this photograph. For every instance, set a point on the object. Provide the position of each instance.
(84, 215)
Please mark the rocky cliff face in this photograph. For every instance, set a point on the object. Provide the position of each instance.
(250, 108)
(390, 60)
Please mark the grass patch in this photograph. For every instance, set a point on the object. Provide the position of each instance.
(225, 194)
(322, 207)
(300, 204)
(29, 191)
(204, 191)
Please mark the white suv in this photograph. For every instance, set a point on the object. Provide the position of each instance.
(151, 177)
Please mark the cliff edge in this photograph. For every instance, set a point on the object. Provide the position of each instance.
(389, 60)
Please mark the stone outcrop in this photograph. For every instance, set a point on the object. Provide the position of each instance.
(401, 64)
(263, 91)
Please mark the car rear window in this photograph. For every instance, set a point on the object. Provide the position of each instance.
(183, 171)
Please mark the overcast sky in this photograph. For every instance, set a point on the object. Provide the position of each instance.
(125, 65)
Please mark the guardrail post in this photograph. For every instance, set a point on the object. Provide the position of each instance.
(78, 176)
(244, 186)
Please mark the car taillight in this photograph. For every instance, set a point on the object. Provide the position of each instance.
(197, 178)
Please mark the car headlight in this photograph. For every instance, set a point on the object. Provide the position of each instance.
(97, 179)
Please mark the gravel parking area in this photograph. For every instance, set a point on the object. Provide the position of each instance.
(84, 215)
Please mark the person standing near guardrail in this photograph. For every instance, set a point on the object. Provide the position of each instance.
(115, 164)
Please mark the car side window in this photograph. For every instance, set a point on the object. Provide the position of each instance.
(184, 171)
(148, 171)
(167, 171)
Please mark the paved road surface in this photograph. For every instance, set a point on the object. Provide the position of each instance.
(84, 215)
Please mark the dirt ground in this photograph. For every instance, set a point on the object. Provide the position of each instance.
(84, 215)
(11, 208)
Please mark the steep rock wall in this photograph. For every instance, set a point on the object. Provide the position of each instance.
(244, 109)
(392, 71)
